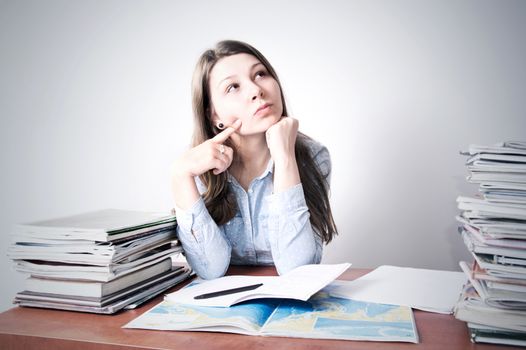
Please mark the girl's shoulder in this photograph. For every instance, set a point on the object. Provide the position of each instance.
(318, 152)
(315, 148)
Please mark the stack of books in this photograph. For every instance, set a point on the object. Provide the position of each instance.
(493, 227)
(98, 262)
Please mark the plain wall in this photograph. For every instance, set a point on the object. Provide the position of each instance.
(95, 105)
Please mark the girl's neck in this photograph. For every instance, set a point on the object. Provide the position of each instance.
(251, 157)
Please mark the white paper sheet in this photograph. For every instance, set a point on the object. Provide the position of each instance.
(428, 290)
(300, 283)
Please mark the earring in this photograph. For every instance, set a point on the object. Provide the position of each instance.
(220, 125)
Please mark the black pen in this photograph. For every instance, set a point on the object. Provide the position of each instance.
(228, 291)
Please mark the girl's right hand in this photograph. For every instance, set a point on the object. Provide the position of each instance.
(210, 155)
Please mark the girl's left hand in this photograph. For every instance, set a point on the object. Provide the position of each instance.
(281, 139)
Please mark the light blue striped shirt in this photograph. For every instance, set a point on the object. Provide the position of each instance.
(268, 228)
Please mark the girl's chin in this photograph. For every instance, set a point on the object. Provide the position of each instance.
(253, 131)
(261, 126)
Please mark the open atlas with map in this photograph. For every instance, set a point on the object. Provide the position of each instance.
(322, 316)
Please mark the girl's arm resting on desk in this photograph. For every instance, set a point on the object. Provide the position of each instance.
(292, 239)
(204, 244)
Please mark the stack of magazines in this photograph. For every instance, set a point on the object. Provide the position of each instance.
(98, 262)
(493, 227)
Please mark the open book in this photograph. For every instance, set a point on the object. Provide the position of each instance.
(322, 317)
(300, 283)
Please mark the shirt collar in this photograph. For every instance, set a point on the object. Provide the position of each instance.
(268, 170)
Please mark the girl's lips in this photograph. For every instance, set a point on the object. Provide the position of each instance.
(264, 107)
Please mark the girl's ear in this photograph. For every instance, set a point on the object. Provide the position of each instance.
(215, 119)
(210, 111)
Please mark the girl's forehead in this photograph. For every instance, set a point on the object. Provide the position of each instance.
(233, 65)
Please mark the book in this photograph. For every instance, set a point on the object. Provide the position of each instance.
(104, 273)
(300, 283)
(99, 262)
(471, 308)
(105, 300)
(130, 299)
(506, 147)
(488, 240)
(476, 244)
(484, 208)
(505, 197)
(496, 229)
(495, 268)
(500, 186)
(494, 335)
(493, 302)
(322, 316)
(518, 286)
(496, 159)
(476, 272)
(494, 176)
(95, 288)
(499, 298)
(89, 252)
(103, 225)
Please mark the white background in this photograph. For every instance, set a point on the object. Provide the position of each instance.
(95, 105)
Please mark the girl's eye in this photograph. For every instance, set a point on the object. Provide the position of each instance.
(232, 87)
(261, 74)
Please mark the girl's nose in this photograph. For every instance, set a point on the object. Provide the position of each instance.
(256, 92)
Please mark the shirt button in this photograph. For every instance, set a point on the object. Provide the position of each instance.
(250, 191)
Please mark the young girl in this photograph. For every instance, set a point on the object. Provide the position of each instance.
(252, 190)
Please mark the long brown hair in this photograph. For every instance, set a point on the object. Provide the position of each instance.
(219, 199)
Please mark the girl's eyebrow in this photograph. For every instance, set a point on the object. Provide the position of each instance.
(229, 77)
(234, 75)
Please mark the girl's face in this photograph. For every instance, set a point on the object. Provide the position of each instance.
(241, 88)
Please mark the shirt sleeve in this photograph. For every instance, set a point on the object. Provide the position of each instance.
(292, 239)
(204, 243)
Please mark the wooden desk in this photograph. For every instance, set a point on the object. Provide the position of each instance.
(30, 328)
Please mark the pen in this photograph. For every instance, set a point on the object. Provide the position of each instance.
(228, 291)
